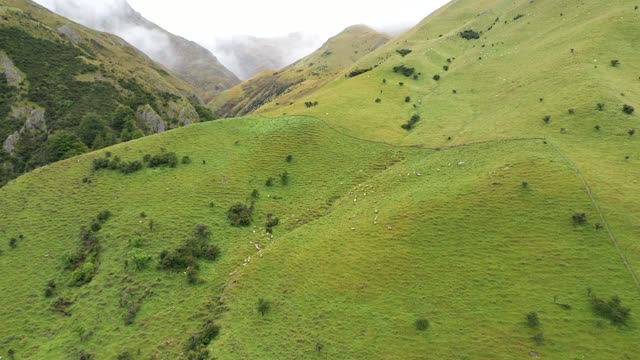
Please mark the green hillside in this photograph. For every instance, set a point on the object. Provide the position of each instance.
(67, 88)
(498, 221)
(304, 76)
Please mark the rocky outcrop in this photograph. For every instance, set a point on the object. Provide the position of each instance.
(14, 76)
(70, 33)
(149, 120)
(34, 120)
(182, 114)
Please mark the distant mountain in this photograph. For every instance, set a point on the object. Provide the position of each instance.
(248, 56)
(188, 60)
(304, 76)
(67, 89)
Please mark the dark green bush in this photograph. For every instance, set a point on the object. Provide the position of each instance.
(532, 320)
(240, 215)
(404, 52)
(470, 35)
(547, 119)
(422, 324)
(404, 70)
(166, 159)
(13, 243)
(579, 218)
(202, 338)
(615, 63)
(628, 109)
(631, 132)
(357, 72)
(612, 309)
(436, 77)
(284, 178)
(263, 306)
(50, 289)
(412, 122)
(407, 99)
(600, 106)
(186, 160)
(289, 158)
(538, 338)
(269, 182)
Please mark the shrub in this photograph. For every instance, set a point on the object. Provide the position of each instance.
(192, 275)
(263, 307)
(13, 243)
(572, 111)
(469, 35)
(255, 194)
(404, 52)
(532, 320)
(407, 99)
(378, 101)
(96, 226)
(272, 221)
(597, 127)
(631, 132)
(436, 77)
(422, 324)
(101, 163)
(309, 104)
(401, 83)
(412, 122)
(525, 184)
(519, 16)
(130, 167)
(203, 338)
(547, 119)
(284, 178)
(357, 72)
(628, 109)
(289, 158)
(600, 106)
(404, 70)
(139, 259)
(240, 215)
(612, 309)
(50, 289)
(615, 63)
(445, 68)
(579, 218)
(167, 159)
(103, 216)
(538, 338)
(203, 231)
(186, 160)
(269, 182)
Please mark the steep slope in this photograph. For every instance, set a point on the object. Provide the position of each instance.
(302, 77)
(370, 238)
(537, 69)
(481, 230)
(187, 59)
(67, 88)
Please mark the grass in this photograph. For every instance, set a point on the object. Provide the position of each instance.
(323, 280)
(379, 226)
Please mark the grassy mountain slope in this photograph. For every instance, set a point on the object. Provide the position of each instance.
(56, 74)
(533, 60)
(371, 237)
(306, 75)
(470, 220)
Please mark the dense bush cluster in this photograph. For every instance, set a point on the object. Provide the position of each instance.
(404, 70)
(240, 215)
(84, 263)
(469, 35)
(404, 52)
(196, 346)
(357, 72)
(611, 309)
(412, 122)
(129, 167)
(272, 221)
(422, 324)
(185, 258)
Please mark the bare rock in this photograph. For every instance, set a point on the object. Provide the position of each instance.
(14, 76)
(70, 34)
(150, 120)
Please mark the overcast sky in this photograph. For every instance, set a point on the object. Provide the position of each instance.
(201, 20)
